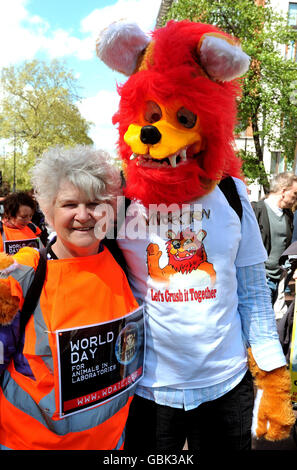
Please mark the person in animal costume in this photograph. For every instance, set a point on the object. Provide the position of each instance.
(196, 264)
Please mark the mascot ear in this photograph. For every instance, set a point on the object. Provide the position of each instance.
(121, 45)
(221, 57)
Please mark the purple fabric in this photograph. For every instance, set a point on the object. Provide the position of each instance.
(13, 344)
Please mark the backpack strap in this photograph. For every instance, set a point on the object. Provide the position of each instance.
(2, 232)
(111, 243)
(228, 188)
(32, 227)
(34, 290)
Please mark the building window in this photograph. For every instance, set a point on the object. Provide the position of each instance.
(277, 164)
(293, 14)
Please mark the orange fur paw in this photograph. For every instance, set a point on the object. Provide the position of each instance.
(9, 305)
(275, 415)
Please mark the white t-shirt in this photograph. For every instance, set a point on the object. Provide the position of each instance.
(187, 279)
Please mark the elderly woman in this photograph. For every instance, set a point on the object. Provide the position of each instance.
(67, 385)
(16, 225)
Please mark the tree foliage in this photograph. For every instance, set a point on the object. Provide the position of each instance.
(266, 103)
(37, 111)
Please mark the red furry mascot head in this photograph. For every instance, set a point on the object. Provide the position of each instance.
(178, 108)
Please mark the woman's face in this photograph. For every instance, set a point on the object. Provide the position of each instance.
(22, 218)
(74, 220)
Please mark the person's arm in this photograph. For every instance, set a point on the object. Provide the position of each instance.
(9, 338)
(258, 318)
(267, 363)
(10, 300)
(15, 280)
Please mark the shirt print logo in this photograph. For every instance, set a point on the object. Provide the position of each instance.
(185, 252)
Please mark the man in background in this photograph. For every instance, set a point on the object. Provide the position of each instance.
(275, 219)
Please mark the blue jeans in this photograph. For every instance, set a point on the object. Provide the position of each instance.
(222, 424)
(273, 286)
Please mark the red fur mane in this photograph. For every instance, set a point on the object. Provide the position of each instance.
(175, 73)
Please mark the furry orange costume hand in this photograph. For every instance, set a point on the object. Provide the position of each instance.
(275, 415)
(9, 304)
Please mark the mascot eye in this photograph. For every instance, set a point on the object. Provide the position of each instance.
(153, 112)
(186, 117)
(176, 244)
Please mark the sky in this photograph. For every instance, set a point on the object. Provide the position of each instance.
(67, 30)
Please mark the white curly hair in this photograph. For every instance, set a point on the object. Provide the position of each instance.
(88, 169)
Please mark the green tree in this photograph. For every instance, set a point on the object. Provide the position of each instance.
(37, 111)
(266, 103)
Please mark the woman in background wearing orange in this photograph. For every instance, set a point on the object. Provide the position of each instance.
(16, 222)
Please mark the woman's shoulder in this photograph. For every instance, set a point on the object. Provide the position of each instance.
(33, 228)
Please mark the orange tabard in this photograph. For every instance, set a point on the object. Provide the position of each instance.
(18, 234)
(78, 292)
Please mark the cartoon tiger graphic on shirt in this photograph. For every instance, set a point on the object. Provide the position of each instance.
(185, 252)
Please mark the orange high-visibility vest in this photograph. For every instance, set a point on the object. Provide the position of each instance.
(77, 292)
(17, 234)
